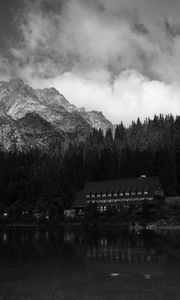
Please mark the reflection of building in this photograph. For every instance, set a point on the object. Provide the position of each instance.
(123, 251)
(125, 255)
(121, 193)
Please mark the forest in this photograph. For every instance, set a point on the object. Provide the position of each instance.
(49, 181)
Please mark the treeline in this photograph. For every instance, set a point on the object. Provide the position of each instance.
(49, 182)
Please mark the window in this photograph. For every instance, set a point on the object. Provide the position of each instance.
(145, 192)
(93, 196)
(109, 194)
(133, 193)
(149, 198)
(121, 194)
(98, 195)
(127, 193)
(103, 195)
(101, 208)
(139, 193)
(87, 196)
(115, 194)
(159, 192)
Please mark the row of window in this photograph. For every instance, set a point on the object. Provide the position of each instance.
(104, 195)
(120, 200)
(119, 207)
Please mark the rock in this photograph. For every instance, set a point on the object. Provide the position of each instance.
(33, 118)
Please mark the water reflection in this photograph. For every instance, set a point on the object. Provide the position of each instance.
(5, 237)
(128, 247)
(39, 244)
(53, 263)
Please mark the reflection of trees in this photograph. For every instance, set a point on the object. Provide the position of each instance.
(32, 245)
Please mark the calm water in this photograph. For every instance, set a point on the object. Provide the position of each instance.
(40, 263)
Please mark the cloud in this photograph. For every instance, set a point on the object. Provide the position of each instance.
(81, 38)
(130, 96)
(114, 56)
(4, 69)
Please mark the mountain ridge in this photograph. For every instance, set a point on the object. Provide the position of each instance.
(19, 101)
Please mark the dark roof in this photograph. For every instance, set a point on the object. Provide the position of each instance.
(79, 201)
(172, 199)
(150, 184)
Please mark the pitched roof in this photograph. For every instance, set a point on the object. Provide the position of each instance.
(150, 184)
(79, 201)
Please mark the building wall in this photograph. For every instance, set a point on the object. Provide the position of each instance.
(119, 203)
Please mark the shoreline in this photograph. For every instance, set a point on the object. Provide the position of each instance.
(136, 227)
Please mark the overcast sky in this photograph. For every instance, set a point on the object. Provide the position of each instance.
(118, 56)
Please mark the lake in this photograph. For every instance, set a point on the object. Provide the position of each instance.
(107, 263)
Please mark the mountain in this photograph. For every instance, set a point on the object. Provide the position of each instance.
(97, 120)
(30, 131)
(53, 99)
(32, 118)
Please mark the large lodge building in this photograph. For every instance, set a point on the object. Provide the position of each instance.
(120, 193)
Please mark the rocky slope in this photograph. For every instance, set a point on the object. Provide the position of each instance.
(32, 118)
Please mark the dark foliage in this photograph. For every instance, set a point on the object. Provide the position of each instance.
(46, 183)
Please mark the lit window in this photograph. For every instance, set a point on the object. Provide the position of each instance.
(87, 196)
(109, 194)
(127, 193)
(98, 195)
(104, 195)
(121, 194)
(133, 193)
(139, 193)
(149, 198)
(115, 194)
(105, 208)
(145, 193)
(93, 196)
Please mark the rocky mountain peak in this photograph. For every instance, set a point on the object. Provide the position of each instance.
(99, 121)
(16, 83)
(18, 101)
(50, 92)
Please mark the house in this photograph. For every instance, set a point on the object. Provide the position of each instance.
(121, 193)
(69, 213)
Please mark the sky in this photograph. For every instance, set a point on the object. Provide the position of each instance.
(121, 57)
